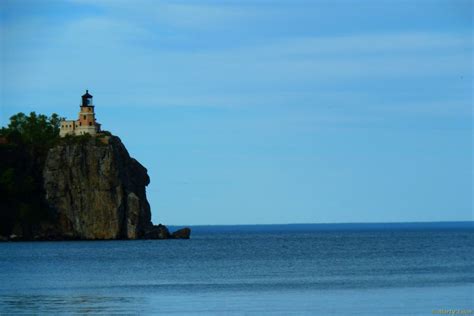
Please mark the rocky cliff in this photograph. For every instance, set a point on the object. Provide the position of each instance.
(96, 190)
(80, 187)
(76, 187)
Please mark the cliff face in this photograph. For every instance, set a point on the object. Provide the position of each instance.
(96, 190)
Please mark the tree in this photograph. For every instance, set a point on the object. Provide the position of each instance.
(34, 129)
(22, 159)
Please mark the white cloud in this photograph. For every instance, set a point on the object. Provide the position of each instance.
(176, 14)
(391, 43)
(123, 50)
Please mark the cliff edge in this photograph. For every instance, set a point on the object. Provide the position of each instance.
(96, 190)
(73, 187)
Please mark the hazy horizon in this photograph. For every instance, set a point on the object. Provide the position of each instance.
(333, 223)
(263, 112)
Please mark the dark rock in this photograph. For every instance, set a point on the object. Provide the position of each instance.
(157, 232)
(88, 188)
(97, 191)
(183, 233)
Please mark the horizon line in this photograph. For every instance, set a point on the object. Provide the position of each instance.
(338, 223)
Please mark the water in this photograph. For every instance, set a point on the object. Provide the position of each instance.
(310, 272)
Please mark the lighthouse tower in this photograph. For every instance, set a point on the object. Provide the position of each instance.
(86, 124)
(86, 121)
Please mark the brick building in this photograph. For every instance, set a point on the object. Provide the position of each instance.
(86, 124)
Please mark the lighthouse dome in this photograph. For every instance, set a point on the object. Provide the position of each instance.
(87, 99)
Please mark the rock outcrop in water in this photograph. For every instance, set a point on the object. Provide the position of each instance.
(183, 233)
(93, 190)
(97, 190)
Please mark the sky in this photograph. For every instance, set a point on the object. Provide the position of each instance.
(260, 112)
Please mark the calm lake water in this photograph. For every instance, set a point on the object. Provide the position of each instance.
(330, 272)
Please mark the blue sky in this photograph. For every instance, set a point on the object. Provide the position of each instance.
(250, 112)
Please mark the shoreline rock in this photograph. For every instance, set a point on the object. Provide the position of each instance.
(96, 191)
(92, 190)
(158, 232)
(183, 233)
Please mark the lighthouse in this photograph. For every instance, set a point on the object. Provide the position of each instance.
(86, 124)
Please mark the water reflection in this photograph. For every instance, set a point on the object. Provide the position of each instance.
(70, 304)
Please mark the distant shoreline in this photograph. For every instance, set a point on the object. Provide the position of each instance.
(399, 226)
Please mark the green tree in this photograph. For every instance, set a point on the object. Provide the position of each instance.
(22, 160)
(39, 130)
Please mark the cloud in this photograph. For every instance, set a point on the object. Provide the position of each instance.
(126, 47)
(176, 14)
(370, 44)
